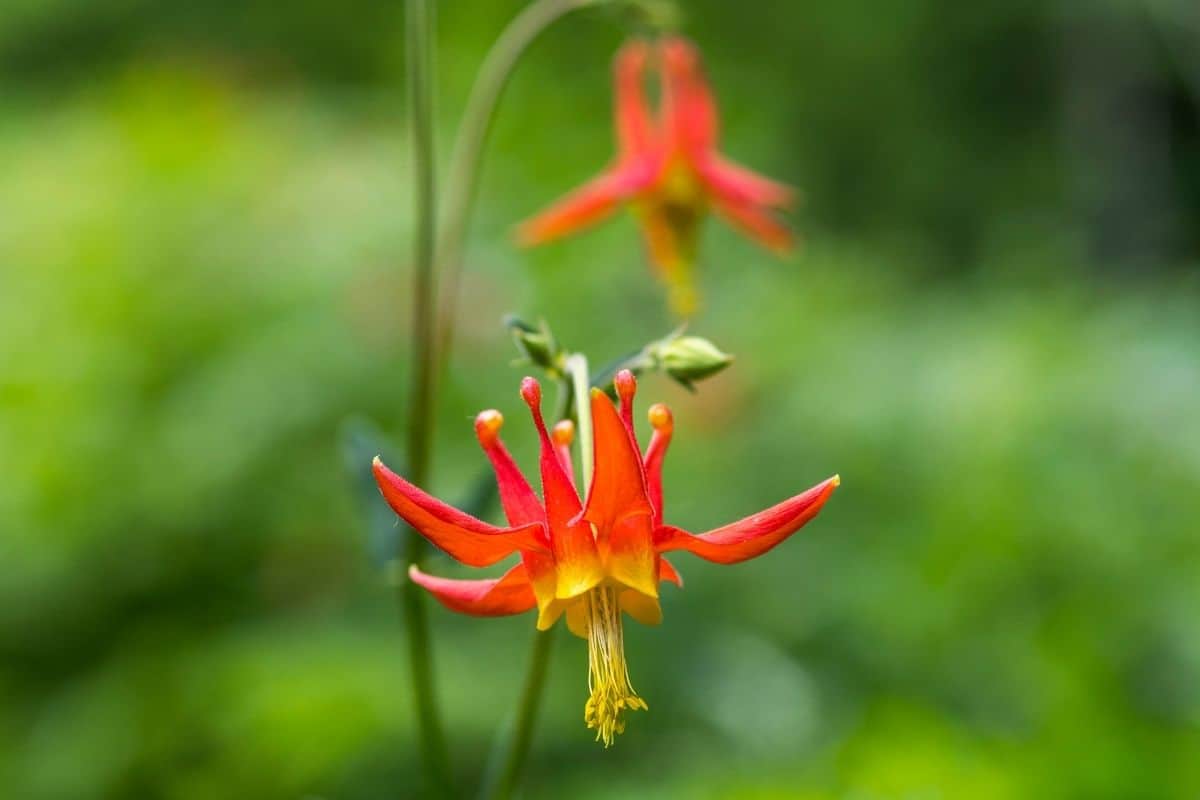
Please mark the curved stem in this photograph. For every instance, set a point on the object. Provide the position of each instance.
(420, 92)
(465, 160)
(419, 35)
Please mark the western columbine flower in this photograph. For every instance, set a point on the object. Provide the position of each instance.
(669, 171)
(589, 560)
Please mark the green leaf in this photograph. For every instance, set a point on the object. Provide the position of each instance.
(361, 441)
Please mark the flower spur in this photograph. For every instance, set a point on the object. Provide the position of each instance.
(589, 560)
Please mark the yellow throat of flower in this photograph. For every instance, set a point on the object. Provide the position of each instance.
(611, 693)
(672, 214)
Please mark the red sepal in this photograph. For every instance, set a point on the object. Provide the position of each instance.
(491, 597)
(463, 537)
(750, 537)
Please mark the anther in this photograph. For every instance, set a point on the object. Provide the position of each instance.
(610, 691)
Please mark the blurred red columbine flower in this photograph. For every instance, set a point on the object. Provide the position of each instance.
(590, 560)
(669, 171)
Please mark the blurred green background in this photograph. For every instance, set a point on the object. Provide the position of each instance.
(992, 333)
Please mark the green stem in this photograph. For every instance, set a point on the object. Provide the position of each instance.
(508, 778)
(637, 361)
(577, 367)
(463, 181)
(419, 35)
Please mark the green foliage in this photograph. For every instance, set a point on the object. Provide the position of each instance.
(202, 279)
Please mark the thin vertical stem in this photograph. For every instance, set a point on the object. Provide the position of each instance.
(509, 776)
(433, 326)
(419, 27)
(465, 160)
(577, 366)
(419, 37)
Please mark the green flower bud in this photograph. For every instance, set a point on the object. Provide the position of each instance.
(537, 345)
(690, 358)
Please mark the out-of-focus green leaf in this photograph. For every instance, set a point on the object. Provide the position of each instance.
(203, 213)
(481, 494)
(362, 441)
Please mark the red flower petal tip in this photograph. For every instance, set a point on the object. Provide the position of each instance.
(563, 433)
(679, 54)
(626, 385)
(661, 418)
(531, 392)
(631, 59)
(487, 427)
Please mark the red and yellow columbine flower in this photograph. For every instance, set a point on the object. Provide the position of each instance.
(589, 560)
(669, 170)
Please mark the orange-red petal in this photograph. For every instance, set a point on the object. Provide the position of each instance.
(617, 503)
(635, 130)
(492, 597)
(626, 385)
(664, 426)
(752, 536)
(756, 223)
(521, 505)
(463, 537)
(543, 577)
(667, 572)
(563, 434)
(577, 562)
(734, 183)
(632, 560)
(588, 204)
(618, 488)
(689, 111)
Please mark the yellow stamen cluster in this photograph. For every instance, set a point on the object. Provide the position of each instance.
(608, 677)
